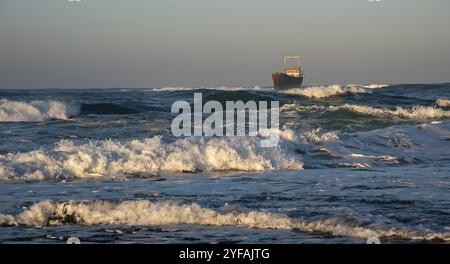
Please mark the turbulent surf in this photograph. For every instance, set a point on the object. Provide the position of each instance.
(353, 161)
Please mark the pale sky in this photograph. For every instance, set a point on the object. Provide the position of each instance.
(191, 43)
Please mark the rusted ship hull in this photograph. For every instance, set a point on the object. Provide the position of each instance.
(283, 81)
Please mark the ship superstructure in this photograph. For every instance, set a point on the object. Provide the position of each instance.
(292, 77)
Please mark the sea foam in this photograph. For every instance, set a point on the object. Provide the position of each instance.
(35, 111)
(443, 103)
(146, 213)
(325, 91)
(308, 136)
(416, 112)
(107, 158)
(374, 86)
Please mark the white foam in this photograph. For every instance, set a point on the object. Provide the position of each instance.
(5, 173)
(171, 89)
(15, 111)
(356, 165)
(146, 213)
(325, 91)
(309, 136)
(149, 156)
(387, 159)
(416, 112)
(338, 227)
(375, 86)
(383, 157)
(287, 108)
(7, 220)
(316, 136)
(443, 102)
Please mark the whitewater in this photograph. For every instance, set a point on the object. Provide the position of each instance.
(353, 161)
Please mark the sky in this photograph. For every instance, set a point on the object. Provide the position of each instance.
(199, 43)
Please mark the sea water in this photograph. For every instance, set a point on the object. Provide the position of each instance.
(353, 162)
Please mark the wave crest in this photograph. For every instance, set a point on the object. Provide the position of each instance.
(375, 86)
(108, 158)
(34, 111)
(443, 102)
(146, 213)
(325, 91)
(416, 112)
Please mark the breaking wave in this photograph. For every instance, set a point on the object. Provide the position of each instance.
(325, 91)
(35, 111)
(138, 158)
(416, 112)
(146, 213)
(147, 158)
(443, 103)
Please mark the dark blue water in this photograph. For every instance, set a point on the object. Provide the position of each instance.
(353, 162)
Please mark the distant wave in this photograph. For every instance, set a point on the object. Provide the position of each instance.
(34, 111)
(146, 213)
(372, 86)
(325, 91)
(443, 102)
(141, 158)
(416, 112)
(311, 92)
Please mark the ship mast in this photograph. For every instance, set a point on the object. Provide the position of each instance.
(292, 66)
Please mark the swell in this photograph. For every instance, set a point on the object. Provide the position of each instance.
(146, 213)
(107, 109)
(392, 146)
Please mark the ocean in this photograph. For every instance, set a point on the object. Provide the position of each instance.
(353, 162)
